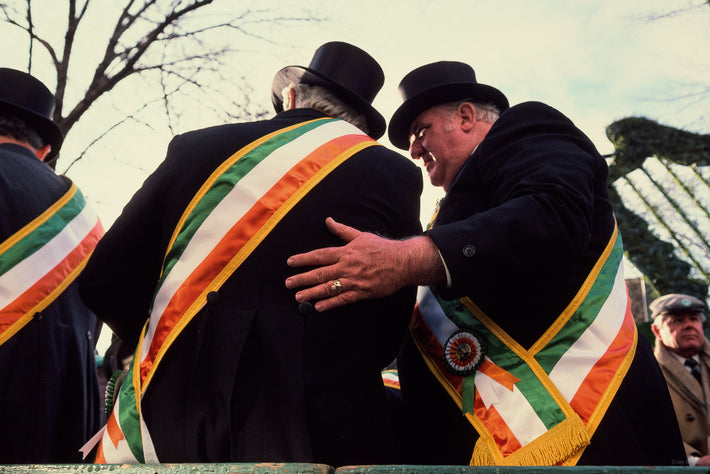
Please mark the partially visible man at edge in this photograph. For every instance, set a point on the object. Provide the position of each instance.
(249, 375)
(683, 352)
(522, 349)
(49, 393)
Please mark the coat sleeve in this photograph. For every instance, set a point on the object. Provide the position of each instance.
(119, 279)
(525, 200)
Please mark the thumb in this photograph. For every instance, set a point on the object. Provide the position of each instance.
(342, 231)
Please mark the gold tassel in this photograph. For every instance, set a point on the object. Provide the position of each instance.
(557, 445)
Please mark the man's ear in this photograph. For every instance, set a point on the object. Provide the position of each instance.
(467, 112)
(43, 152)
(292, 98)
(655, 330)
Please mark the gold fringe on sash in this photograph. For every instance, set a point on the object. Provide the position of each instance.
(561, 445)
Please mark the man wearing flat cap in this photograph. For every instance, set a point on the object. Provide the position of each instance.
(522, 349)
(49, 400)
(228, 366)
(683, 352)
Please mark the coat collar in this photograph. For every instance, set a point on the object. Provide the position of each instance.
(678, 376)
(303, 113)
(19, 149)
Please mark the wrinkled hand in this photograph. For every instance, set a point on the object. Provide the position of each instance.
(368, 266)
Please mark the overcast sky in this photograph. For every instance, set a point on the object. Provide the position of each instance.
(595, 60)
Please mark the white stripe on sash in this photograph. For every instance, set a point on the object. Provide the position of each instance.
(29, 271)
(233, 207)
(439, 324)
(576, 364)
(149, 454)
(121, 453)
(512, 406)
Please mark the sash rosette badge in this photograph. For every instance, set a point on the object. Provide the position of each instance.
(464, 352)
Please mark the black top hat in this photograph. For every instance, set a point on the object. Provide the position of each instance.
(346, 70)
(434, 84)
(27, 98)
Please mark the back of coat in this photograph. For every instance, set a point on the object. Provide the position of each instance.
(252, 378)
(47, 369)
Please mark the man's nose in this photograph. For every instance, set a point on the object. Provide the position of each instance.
(416, 150)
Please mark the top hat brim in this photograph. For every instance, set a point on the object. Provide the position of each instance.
(46, 128)
(298, 74)
(411, 108)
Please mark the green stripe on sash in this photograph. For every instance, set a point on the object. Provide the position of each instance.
(224, 184)
(39, 237)
(531, 387)
(128, 417)
(586, 313)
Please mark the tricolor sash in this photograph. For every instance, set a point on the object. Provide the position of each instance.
(231, 214)
(39, 261)
(537, 406)
(390, 378)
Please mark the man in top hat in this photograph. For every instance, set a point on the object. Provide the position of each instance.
(229, 367)
(49, 401)
(683, 352)
(522, 349)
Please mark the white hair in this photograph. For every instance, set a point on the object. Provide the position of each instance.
(488, 113)
(323, 99)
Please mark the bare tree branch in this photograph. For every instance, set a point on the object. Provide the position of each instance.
(691, 8)
(30, 29)
(103, 82)
(9, 19)
(174, 51)
(129, 117)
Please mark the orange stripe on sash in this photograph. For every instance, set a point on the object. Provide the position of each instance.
(100, 459)
(249, 227)
(48, 287)
(498, 374)
(496, 427)
(587, 399)
(114, 431)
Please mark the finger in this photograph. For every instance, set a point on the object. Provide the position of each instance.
(310, 278)
(342, 231)
(324, 290)
(316, 292)
(318, 257)
(343, 299)
(331, 288)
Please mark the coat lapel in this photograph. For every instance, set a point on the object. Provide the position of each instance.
(680, 378)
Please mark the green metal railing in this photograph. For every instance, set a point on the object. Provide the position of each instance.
(295, 468)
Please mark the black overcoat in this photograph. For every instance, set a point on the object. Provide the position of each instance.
(520, 228)
(252, 379)
(49, 395)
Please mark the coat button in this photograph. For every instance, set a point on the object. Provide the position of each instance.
(213, 297)
(689, 417)
(469, 250)
(306, 308)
